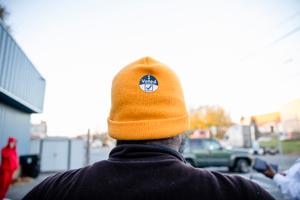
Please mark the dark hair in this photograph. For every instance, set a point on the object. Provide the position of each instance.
(172, 142)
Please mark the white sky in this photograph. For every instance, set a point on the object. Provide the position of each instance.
(220, 50)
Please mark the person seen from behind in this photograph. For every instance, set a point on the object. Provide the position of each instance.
(147, 118)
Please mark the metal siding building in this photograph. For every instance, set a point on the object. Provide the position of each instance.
(22, 91)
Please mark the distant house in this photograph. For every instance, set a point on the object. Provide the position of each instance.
(200, 133)
(268, 123)
(39, 130)
(290, 115)
(22, 90)
(286, 121)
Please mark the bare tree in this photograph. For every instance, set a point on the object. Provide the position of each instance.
(3, 13)
(3, 16)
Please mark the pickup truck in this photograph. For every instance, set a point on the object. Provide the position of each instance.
(209, 152)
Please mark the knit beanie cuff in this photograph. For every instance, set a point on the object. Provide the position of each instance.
(148, 129)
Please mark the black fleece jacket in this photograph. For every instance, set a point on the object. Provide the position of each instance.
(145, 172)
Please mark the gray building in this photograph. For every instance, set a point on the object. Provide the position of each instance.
(22, 91)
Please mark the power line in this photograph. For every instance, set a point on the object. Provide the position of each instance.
(293, 31)
(285, 36)
(288, 19)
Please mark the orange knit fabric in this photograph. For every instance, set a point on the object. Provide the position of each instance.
(146, 102)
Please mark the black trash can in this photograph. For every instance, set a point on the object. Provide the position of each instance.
(30, 165)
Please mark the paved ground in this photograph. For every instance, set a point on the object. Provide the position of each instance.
(19, 190)
(284, 162)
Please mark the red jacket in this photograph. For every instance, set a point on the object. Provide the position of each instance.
(9, 156)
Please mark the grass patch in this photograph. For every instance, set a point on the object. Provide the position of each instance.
(288, 146)
(291, 146)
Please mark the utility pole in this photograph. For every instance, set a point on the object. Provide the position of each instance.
(279, 141)
(88, 144)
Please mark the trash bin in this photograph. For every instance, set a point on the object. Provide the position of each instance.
(30, 165)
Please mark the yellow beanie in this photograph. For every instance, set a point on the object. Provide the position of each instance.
(146, 102)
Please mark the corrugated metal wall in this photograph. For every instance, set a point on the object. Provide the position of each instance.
(21, 92)
(17, 124)
(19, 79)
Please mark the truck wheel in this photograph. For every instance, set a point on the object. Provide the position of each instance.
(190, 161)
(242, 166)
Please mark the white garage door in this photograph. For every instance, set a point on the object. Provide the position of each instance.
(54, 155)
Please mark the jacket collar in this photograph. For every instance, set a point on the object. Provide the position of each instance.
(144, 152)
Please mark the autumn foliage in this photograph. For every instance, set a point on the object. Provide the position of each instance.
(206, 117)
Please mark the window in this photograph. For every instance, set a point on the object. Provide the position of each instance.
(212, 145)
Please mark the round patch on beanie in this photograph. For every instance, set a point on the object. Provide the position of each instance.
(148, 83)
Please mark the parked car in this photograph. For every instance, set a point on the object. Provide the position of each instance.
(271, 150)
(257, 149)
(209, 152)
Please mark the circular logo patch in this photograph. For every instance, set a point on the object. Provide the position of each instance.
(148, 83)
